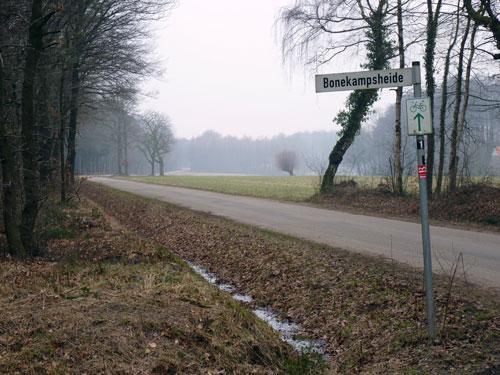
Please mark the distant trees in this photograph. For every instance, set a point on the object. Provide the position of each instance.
(123, 129)
(287, 161)
(155, 139)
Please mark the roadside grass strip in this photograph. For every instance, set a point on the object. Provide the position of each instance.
(369, 312)
(104, 300)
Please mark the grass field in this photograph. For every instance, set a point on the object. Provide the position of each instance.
(283, 188)
(294, 188)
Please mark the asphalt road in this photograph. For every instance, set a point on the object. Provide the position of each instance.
(394, 239)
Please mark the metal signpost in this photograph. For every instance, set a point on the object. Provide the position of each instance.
(419, 110)
(419, 124)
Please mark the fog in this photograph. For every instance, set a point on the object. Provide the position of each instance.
(223, 70)
(234, 105)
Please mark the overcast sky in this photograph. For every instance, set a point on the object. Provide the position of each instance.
(223, 71)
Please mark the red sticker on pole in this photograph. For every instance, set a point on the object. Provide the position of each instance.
(422, 172)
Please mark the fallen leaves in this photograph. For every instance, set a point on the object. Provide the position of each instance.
(369, 312)
(102, 299)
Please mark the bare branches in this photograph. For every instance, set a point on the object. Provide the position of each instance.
(489, 21)
(156, 138)
(316, 31)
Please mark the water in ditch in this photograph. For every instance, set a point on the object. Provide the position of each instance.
(289, 332)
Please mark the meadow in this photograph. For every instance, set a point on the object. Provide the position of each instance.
(289, 188)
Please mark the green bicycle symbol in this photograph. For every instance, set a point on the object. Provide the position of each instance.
(418, 106)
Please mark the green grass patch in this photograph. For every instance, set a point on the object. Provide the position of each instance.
(282, 188)
(288, 188)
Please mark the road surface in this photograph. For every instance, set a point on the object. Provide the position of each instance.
(366, 234)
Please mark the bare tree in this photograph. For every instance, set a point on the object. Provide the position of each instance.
(92, 49)
(107, 52)
(444, 100)
(156, 139)
(398, 168)
(433, 15)
(287, 161)
(489, 20)
(330, 28)
(458, 128)
(317, 165)
(455, 141)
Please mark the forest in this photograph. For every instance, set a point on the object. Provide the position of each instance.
(59, 61)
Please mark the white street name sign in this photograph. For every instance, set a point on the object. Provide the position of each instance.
(418, 114)
(371, 79)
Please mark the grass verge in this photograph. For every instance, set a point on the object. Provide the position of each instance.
(103, 300)
(370, 313)
(294, 188)
(472, 206)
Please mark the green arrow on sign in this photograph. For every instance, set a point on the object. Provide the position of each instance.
(419, 118)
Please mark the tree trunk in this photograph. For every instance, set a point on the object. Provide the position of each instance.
(29, 132)
(455, 142)
(125, 146)
(444, 104)
(430, 47)
(73, 118)
(398, 169)
(119, 151)
(161, 165)
(46, 136)
(10, 187)
(360, 101)
(462, 118)
(62, 137)
(152, 168)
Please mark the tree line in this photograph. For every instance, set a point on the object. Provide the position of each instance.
(371, 154)
(59, 60)
(457, 42)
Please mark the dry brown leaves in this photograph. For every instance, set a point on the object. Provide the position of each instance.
(107, 301)
(476, 204)
(370, 313)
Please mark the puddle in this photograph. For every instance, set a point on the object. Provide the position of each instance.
(243, 298)
(289, 331)
(210, 277)
(226, 288)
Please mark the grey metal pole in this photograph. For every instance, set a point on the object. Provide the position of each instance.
(424, 212)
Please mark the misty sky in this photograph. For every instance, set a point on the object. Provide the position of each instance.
(223, 71)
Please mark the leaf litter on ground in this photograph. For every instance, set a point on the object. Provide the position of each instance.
(370, 312)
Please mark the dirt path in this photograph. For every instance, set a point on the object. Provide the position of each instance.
(365, 234)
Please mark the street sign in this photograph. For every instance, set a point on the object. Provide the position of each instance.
(419, 123)
(371, 79)
(418, 114)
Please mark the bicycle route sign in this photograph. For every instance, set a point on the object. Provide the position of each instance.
(418, 114)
